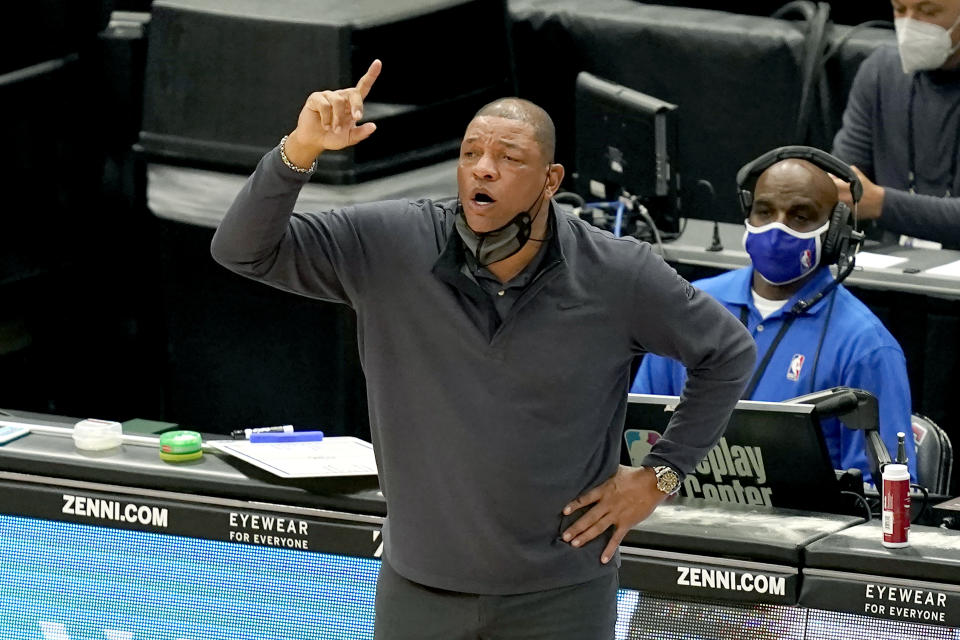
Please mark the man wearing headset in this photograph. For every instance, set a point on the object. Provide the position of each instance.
(901, 123)
(496, 334)
(811, 333)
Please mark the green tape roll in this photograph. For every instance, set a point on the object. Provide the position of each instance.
(181, 457)
(180, 442)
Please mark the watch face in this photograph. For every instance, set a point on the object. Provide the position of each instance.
(667, 480)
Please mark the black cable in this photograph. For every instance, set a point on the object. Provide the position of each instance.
(817, 18)
(926, 502)
(816, 42)
(683, 227)
(829, 51)
(826, 101)
(674, 235)
(862, 501)
(818, 52)
(645, 214)
(564, 196)
(805, 8)
(832, 51)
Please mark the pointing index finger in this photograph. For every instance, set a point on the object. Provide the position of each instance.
(366, 82)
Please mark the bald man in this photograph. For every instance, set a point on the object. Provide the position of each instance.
(496, 335)
(837, 341)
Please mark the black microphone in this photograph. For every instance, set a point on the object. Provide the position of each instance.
(705, 203)
(845, 264)
(715, 244)
(803, 305)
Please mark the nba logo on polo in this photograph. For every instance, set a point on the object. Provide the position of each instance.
(796, 364)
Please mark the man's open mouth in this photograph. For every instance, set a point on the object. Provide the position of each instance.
(482, 198)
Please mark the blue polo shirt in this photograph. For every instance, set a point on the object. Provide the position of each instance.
(855, 350)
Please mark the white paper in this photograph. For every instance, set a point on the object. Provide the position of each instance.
(11, 431)
(869, 260)
(332, 456)
(949, 269)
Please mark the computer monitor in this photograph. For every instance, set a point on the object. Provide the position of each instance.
(626, 145)
(772, 453)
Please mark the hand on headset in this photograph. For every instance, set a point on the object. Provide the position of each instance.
(871, 204)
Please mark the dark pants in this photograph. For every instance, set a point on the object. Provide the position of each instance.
(409, 611)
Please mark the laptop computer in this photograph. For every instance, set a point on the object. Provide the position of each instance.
(772, 453)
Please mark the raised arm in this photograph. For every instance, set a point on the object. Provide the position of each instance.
(259, 238)
(328, 121)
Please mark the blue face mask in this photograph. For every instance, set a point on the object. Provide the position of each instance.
(781, 255)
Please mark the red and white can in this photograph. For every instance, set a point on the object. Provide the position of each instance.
(896, 505)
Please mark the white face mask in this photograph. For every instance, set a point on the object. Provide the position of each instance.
(922, 45)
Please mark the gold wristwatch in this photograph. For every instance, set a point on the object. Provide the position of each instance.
(667, 480)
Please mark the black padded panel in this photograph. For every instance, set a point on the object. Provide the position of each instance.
(764, 534)
(225, 80)
(735, 78)
(841, 11)
(859, 550)
(240, 354)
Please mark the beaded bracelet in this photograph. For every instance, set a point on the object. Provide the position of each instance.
(290, 165)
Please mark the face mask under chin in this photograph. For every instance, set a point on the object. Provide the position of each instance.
(499, 244)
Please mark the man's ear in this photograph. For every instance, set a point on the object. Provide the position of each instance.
(554, 179)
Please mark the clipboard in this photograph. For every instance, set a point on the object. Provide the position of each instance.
(335, 456)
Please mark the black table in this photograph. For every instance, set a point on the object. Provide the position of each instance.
(692, 567)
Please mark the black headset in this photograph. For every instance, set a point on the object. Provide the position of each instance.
(842, 238)
(838, 247)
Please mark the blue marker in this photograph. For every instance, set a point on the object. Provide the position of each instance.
(295, 436)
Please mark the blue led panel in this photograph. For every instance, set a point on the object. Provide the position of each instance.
(833, 625)
(65, 581)
(646, 617)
